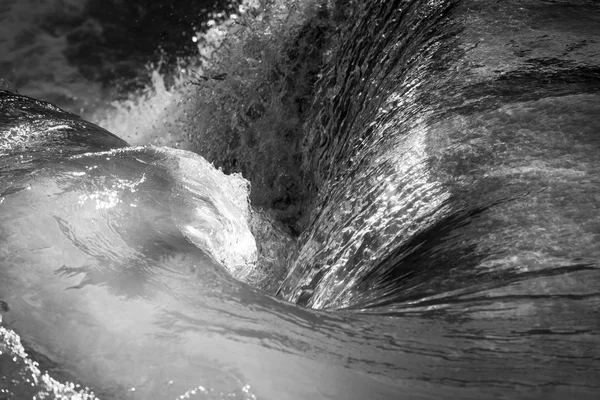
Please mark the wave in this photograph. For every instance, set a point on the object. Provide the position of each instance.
(427, 173)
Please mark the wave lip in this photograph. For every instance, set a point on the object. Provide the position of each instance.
(211, 209)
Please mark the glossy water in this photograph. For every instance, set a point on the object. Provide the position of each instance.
(454, 239)
(450, 142)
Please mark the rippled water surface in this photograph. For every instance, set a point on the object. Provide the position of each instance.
(452, 246)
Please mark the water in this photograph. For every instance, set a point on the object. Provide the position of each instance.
(429, 123)
(82, 54)
(451, 166)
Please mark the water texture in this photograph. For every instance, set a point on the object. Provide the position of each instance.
(451, 167)
(83, 54)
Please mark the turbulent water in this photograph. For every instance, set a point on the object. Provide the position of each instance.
(79, 54)
(452, 243)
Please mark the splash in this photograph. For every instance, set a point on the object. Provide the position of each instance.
(212, 210)
(149, 117)
(21, 377)
(241, 101)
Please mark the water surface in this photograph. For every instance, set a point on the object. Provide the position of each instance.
(452, 249)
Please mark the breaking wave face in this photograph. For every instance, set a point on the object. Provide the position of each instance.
(423, 218)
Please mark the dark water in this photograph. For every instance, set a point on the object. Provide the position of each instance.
(82, 54)
(453, 159)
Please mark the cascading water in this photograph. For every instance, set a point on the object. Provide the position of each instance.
(451, 169)
(434, 146)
